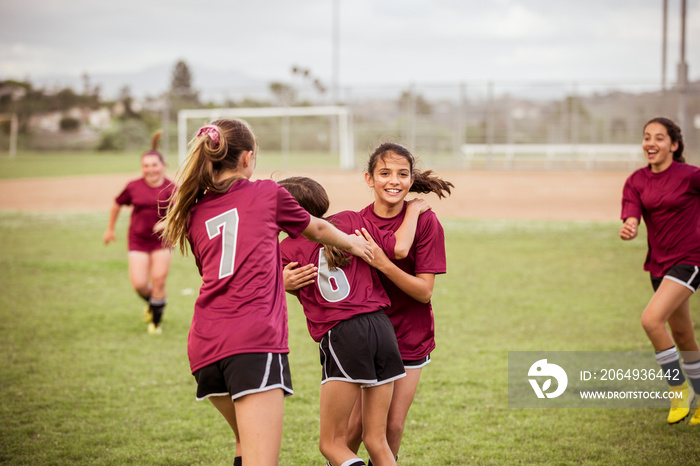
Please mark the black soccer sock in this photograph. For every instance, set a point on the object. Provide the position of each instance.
(146, 298)
(671, 366)
(238, 461)
(692, 370)
(157, 308)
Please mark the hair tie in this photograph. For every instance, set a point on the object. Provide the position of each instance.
(211, 131)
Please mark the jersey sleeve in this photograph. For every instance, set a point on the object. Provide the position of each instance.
(430, 245)
(285, 247)
(695, 182)
(631, 200)
(124, 197)
(291, 217)
(385, 239)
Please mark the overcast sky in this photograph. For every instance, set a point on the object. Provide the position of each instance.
(381, 41)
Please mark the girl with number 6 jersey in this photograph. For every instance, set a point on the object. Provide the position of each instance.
(237, 345)
(344, 311)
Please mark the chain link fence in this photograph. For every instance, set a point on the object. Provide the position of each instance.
(488, 125)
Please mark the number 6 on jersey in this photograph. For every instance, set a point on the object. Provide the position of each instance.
(333, 284)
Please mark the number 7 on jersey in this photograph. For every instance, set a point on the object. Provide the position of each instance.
(226, 225)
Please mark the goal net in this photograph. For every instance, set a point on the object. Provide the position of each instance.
(326, 127)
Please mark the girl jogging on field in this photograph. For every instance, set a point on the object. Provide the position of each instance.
(345, 314)
(149, 261)
(666, 193)
(237, 345)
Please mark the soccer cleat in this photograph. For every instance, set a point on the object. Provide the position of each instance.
(680, 407)
(153, 330)
(695, 404)
(148, 314)
(695, 420)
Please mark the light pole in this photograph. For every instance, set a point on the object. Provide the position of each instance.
(663, 47)
(336, 51)
(682, 74)
(335, 75)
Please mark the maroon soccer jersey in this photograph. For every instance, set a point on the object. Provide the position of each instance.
(669, 202)
(150, 204)
(345, 292)
(241, 306)
(413, 321)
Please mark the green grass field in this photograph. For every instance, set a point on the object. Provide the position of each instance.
(41, 164)
(82, 382)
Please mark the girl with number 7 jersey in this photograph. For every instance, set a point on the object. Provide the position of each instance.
(237, 344)
(345, 313)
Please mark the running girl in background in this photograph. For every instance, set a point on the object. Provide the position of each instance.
(345, 314)
(149, 261)
(666, 193)
(237, 344)
(409, 282)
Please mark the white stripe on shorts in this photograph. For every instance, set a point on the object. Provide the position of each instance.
(690, 280)
(267, 370)
(335, 358)
(287, 391)
(347, 378)
(325, 358)
(210, 395)
(382, 382)
(421, 365)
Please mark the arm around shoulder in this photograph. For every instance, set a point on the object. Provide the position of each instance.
(419, 286)
(320, 231)
(406, 233)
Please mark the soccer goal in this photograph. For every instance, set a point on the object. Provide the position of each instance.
(343, 115)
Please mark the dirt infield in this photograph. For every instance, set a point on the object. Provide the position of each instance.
(477, 194)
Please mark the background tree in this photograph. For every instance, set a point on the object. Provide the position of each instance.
(127, 102)
(283, 94)
(415, 103)
(182, 94)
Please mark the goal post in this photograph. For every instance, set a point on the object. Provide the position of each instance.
(14, 127)
(343, 114)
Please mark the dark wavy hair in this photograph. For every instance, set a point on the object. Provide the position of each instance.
(423, 181)
(674, 132)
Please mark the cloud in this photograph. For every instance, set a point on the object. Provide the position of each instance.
(381, 41)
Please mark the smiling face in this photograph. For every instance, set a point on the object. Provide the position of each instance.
(658, 147)
(153, 169)
(390, 180)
